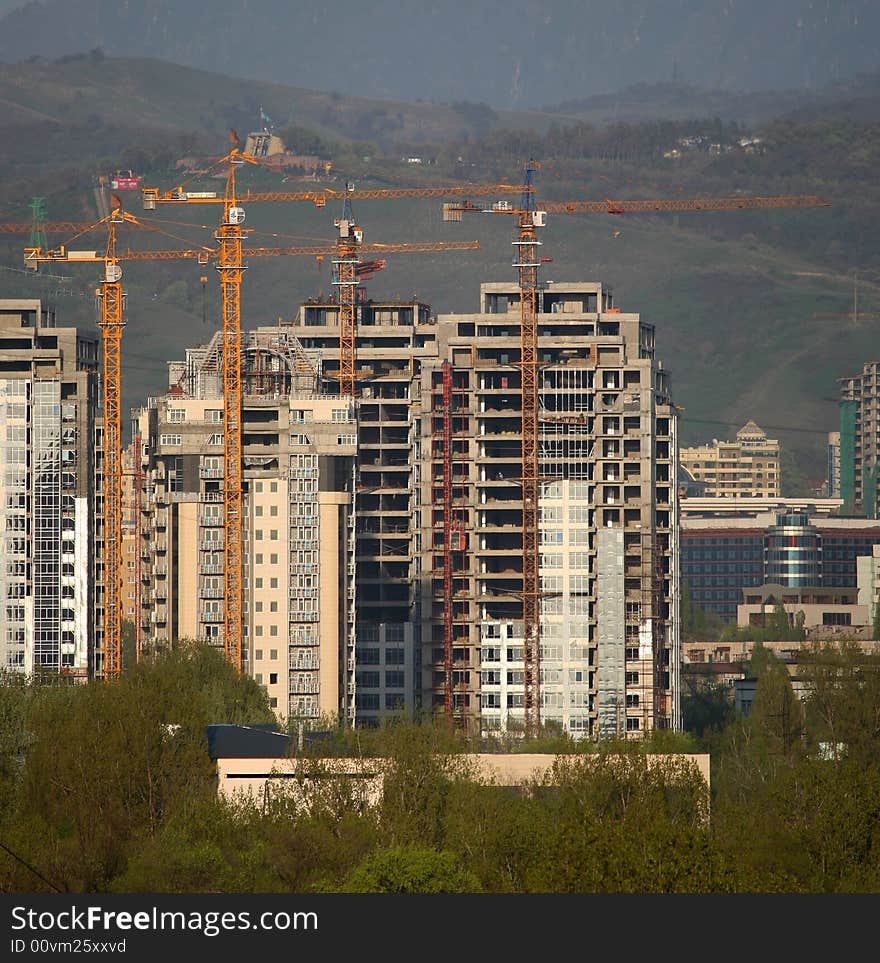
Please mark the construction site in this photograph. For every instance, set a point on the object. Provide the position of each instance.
(375, 509)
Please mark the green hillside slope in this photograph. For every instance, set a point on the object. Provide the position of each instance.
(732, 295)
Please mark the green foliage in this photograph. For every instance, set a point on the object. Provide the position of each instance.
(412, 870)
(105, 765)
(706, 707)
(842, 709)
(698, 624)
(779, 628)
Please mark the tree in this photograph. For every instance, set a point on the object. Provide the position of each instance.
(843, 699)
(412, 870)
(776, 712)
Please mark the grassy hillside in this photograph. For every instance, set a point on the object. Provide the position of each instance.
(732, 295)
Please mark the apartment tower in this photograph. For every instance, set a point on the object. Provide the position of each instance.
(426, 467)
(50, 590)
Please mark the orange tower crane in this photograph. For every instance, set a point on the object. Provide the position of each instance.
(527, 263)
(231, 268)
(349, 245)
(112, 323)
(112, 299)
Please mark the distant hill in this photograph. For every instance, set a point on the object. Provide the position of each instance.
(140, 92)
(856, 99)
(507, 53)
(732, 295)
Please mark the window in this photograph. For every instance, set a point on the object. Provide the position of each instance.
(273, 678)
(273, 510)
(364, 656)
(258, 654)
(165, 439)
(258, 583)
(632, 678)
(394, 657)
(273, 606)
(632, 701)
(273, 487)
(273, 534)
(273, 583)
(836, 618)
(176, 416)
(258, 534)
(273, 559)
(215, 439)
(346, 439)
(340, 415)
(258, 510)
(273, 630)
(632, 725)
(394, 679)
(273, 703)
(214, 416)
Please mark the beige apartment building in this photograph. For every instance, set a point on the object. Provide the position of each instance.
(609, 649)
(298, 451)
(745, 468)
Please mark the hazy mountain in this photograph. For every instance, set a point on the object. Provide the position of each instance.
(857, 98)
(511, 53)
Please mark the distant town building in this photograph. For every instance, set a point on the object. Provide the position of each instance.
(832, 483)
(860, 440)
(869, 581)
(744, 468)
(723, 555)
(810, 606)
(49, 593)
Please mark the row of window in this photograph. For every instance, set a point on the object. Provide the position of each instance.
(394, 679)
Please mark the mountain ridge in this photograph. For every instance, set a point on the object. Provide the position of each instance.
(508, 54)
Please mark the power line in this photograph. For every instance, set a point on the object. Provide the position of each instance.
(719, 421)
(26, 864)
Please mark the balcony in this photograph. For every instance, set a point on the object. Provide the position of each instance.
(209, 615)
(210, 472)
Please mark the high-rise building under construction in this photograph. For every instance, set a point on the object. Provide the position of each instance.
(413, 540)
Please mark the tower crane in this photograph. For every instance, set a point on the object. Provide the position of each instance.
(112, 322)
(112, 300)
(527, 262)
(231, 268)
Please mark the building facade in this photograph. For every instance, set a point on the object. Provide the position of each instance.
(432, 448)
(723, 556)
(859, 444)
(49, 585)
(298, 449)
(744, 468)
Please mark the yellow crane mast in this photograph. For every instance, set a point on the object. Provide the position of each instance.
(231, 268)
(527, 263)
(112, 300)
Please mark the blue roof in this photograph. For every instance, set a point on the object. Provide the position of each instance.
(230, 741)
